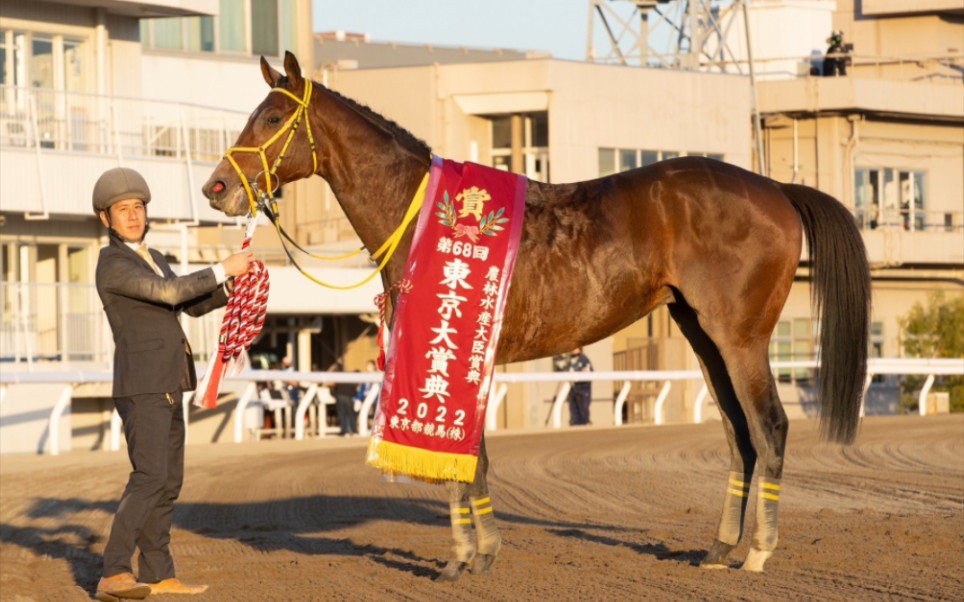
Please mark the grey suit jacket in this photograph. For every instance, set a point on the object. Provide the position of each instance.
(151, 354)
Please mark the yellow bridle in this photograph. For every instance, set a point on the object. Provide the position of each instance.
(266, 199)
(291, 126)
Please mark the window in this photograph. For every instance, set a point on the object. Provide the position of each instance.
(231, 26)
(877, 346)
(535, 143)
(615, 160)
(890, 197)
(258, 27)
(794, 340)
(42, 62)
(264, 27)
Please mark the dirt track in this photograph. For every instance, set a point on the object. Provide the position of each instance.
(597, 514)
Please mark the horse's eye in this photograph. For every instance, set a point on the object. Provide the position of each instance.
(274, 120)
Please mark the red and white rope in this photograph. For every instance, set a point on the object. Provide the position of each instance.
(242, 322)
(245, 312)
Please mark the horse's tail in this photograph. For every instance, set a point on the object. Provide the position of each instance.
(840, 294)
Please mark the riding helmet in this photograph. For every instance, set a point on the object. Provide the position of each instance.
(119, 184)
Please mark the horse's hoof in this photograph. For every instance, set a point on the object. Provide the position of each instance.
(453, 570)
(716, 557)
(755, 560)
(483, 564)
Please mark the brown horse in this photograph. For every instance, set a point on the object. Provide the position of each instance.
(718, 244)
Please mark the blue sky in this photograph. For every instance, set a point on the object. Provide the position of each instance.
(557, 26)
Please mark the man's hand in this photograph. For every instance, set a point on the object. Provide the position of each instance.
(238, 263)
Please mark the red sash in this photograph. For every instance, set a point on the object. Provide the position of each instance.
(446, 327)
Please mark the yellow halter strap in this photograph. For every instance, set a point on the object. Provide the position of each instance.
(385, 251)
(265, 197)
(291, 126)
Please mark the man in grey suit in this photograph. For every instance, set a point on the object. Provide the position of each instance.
(153, 366)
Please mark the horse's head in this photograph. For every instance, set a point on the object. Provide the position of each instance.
(275, 147)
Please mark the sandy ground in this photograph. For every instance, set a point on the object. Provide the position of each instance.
(593, 514)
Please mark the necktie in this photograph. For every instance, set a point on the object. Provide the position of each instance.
(145, 254)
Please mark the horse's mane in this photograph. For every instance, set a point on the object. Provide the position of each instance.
(405, 138)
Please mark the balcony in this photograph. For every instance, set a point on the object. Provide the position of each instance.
(55, 144)
(926, 99)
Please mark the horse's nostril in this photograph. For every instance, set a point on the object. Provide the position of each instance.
(218, 187)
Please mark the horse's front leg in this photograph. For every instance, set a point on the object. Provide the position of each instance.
(468, 503)
(486, 531)
(464, 546)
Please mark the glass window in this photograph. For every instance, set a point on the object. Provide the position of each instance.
(607, 161)
(649, 157)
(670, 155)
(289, 27)
(42, 62)
(627, 159)
(502, 132)
(264, 27)
(146, 38)
(231, 26)
(75, 75)
(540, 129)
(167, 33)
(200, 34)
(715, 156)
(890, 197)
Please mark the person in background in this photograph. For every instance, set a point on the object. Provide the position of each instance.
(345, 404)
(153, 367)
(364, 388)
(835, 63)
(292, 386)
(580, 394)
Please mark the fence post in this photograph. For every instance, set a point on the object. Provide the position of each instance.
(53, 428)
(922, 399)
(698, 404)
(239, 411)
(495, 400)
(660, 400)
(621, 403)
(556, 413)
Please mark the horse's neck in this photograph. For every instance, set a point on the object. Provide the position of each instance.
(373, 177)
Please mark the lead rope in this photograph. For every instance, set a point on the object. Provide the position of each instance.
(242, 322)
(402, 286)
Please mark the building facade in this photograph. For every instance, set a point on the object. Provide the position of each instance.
(165, 88)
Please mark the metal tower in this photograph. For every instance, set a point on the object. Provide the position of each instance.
(693, 35)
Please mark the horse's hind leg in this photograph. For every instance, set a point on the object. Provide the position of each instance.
(766, 423)
(467, 499)
(742, 455)
(768, 426)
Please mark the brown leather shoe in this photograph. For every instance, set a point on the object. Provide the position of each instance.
(174, 586)
(120, 587)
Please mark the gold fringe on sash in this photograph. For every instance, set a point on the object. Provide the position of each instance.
(421, 463)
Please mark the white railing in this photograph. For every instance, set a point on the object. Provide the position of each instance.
(316, 381)
(48, 322)
(115, 125)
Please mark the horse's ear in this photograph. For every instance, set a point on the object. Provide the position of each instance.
(292, 69)
(271, 75)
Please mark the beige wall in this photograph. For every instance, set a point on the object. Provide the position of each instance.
(825, 159)
(590, 106)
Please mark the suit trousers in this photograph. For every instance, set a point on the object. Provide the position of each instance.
(154, 429)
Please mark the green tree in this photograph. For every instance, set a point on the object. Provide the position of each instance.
(936, 330)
